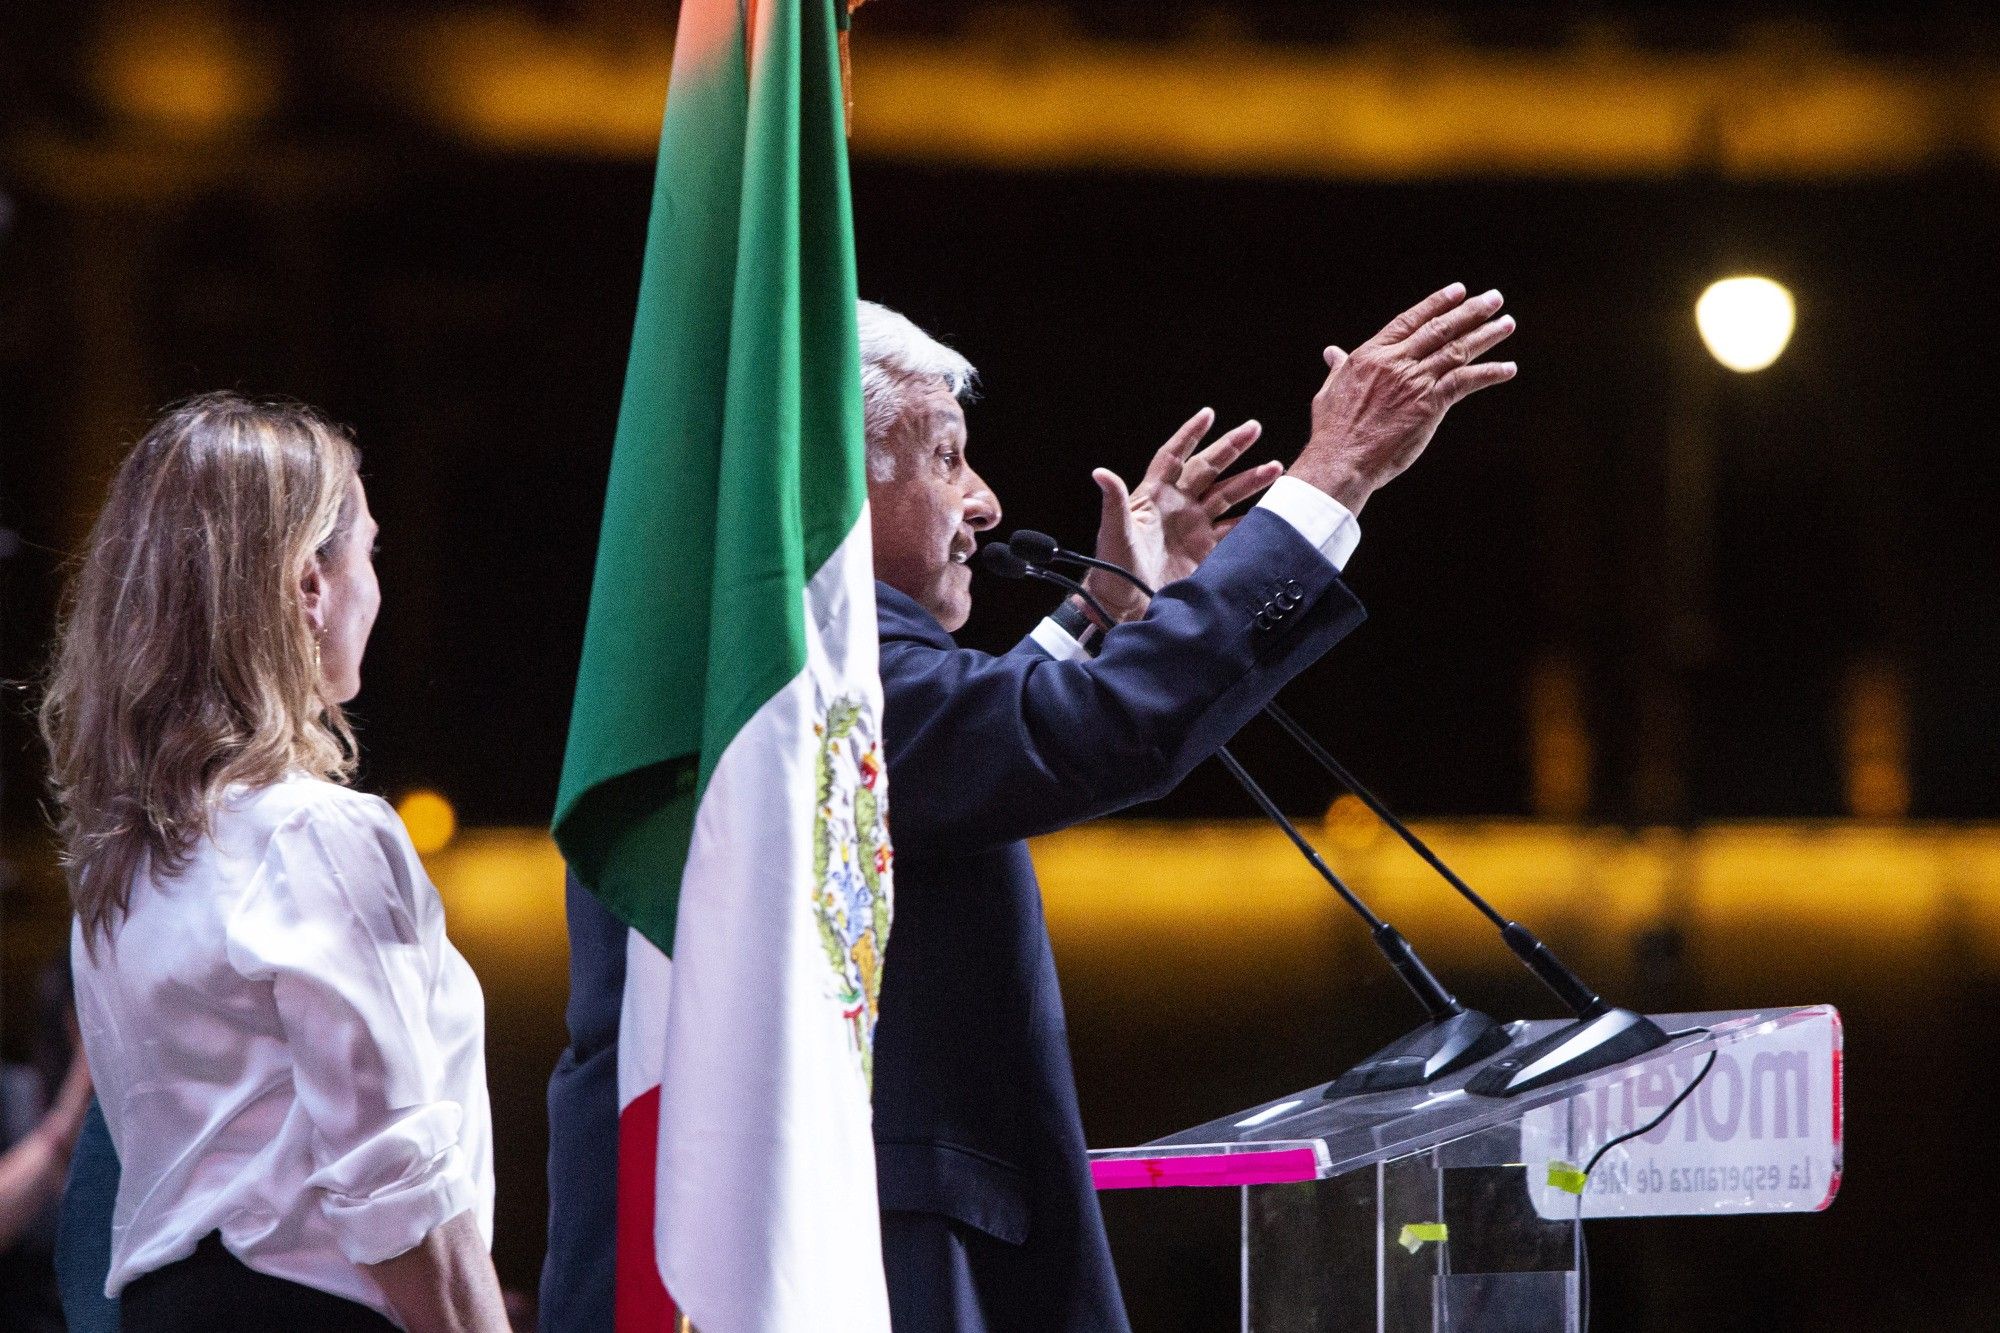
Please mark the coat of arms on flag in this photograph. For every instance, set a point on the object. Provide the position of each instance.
(852, 867)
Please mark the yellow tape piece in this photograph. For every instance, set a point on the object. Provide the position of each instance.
(1415, 1234)
(1567, 1178)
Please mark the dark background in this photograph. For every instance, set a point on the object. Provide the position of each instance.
(473, 333)
(466, 310)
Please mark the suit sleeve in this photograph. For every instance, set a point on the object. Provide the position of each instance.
(986, 750)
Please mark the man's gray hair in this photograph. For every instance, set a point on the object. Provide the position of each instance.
(896, 358)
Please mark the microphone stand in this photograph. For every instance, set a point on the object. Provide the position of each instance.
(1454, 1037)
(1602, 1035)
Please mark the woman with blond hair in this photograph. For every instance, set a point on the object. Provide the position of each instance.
(288, 1051)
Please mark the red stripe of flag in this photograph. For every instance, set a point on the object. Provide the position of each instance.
(643, 1305)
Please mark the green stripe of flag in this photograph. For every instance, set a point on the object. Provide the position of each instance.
(738, 465)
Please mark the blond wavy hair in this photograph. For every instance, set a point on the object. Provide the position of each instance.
(184, 662)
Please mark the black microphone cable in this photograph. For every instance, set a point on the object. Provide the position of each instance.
(1582, 1237)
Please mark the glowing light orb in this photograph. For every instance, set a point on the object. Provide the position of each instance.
(429, 819)
(1746, 322)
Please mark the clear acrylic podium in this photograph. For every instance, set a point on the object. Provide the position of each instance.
(1435, 1209)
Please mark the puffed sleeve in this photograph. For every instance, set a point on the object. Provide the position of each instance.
(332, 922)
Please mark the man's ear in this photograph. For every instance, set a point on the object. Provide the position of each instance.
(312, 595)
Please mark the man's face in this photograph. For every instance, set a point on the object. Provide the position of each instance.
(926, 512)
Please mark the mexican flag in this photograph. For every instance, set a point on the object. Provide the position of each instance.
(723, 790)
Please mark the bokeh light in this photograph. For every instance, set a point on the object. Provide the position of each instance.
(1745, 321)
(429, 819)
(1350, 825)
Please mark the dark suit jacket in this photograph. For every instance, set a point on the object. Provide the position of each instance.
(990, 1219)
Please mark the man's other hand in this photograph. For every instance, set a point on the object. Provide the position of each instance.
(1380, 406)
(1166, 525)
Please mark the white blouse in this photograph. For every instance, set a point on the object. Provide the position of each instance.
(288, 1049)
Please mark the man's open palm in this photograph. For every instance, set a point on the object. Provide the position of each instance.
(1163, 528)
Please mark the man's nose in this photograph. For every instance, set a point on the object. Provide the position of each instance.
(982, 506)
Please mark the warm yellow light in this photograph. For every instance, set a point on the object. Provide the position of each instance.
(430, 820)
(1350, 825)
(1745, 321)
(185, 69)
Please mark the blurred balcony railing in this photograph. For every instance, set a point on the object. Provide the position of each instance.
(1018, 88)
(1768, 910)
(1783, 104)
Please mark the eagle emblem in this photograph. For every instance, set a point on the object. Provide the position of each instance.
(852, 860)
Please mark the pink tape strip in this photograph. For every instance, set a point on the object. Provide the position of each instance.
(1265, 1168)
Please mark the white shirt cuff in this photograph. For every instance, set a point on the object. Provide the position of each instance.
(425, 1191)
(1056, 641)
(1319, 518)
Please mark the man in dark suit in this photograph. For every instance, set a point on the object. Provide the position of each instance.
(989, 1221)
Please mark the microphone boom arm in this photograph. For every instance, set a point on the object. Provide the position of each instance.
(1602, 1034)
(1454, 1037)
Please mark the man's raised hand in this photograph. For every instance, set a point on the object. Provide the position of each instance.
(1381, 404)
(1166, 526)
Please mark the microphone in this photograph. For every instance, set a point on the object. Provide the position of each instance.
(1602, 1034)
(1453, 1038)
(999, 558)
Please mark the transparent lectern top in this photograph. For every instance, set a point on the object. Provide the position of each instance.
(1762, 1132)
